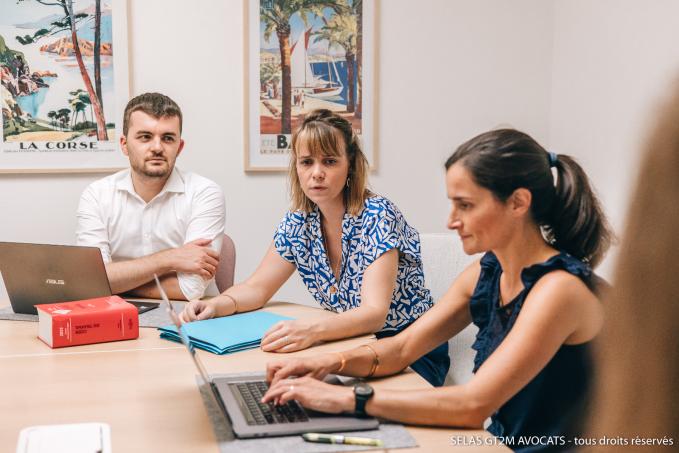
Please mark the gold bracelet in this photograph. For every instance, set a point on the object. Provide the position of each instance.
(235, 304)
(342, 363)
(376, 361)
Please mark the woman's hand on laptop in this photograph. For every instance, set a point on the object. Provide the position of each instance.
(198, 309)
(318, 366)
(312, 394)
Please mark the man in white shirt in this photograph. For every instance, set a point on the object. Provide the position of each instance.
(152, 217)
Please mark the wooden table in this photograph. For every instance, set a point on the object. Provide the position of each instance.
(145, 389)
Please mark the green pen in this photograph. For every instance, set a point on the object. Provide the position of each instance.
(339, 439)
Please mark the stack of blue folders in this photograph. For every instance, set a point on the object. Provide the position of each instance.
(228, 334)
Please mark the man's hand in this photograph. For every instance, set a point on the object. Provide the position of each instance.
(195, 257)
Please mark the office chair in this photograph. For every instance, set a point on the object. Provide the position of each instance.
(443, 259)
(227, 265)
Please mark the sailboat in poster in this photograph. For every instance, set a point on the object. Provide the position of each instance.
(303, 77)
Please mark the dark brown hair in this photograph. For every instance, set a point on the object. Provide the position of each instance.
(329, 134)
(155, 104)
(569, 212)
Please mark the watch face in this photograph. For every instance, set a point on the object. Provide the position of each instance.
(363, 389)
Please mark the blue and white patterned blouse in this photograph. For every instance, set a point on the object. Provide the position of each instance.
(378, 228)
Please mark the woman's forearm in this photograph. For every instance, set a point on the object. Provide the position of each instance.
(357, 321)
(449, 406)
(358, 362)
(254, 292)
(239, 298)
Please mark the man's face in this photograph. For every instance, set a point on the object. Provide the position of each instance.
(152, 144)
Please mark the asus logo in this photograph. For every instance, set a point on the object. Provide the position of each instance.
(51, 281)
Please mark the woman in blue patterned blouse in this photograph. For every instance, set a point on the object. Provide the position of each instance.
(355, 252)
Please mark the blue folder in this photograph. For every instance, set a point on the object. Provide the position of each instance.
(227, 334)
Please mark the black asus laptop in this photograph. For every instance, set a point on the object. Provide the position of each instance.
(239, 398)
(37, 274)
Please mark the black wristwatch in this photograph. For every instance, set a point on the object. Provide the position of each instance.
(363, 392)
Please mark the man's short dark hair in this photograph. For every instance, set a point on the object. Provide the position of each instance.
(155, 104)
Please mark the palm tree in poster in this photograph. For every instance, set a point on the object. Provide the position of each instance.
(276, 15)
(270, 73)
(64, 116)
(357, 8)
(78, 107)
(97, 51)
(82, 96)
(79, 102)
(340, 30)
(96, 104)
(52, 115)
(69, 22)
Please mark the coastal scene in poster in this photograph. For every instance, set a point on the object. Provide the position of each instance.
(311, 55)
(58, 99)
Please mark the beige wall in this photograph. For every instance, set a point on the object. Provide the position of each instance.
(612, 62)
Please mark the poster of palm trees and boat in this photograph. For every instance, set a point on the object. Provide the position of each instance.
(63, 67)
(304, 55)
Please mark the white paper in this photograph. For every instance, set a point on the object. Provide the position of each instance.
(74, 438)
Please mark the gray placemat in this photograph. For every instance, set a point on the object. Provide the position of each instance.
(8, 314)
(157, 317)
(152, 318)
(393, 435)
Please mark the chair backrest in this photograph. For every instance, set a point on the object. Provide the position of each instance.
(227, 265)
(443, 260)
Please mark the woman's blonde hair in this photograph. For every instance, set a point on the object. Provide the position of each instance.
(328, 134)
(638, 349)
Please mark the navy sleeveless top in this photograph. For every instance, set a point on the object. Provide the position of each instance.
(553, 402)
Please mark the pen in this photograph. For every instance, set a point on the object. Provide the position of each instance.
(339, 439)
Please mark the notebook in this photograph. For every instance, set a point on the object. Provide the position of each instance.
(226, 334)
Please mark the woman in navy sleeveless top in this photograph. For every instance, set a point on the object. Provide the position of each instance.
(556, 396)
(532, 295)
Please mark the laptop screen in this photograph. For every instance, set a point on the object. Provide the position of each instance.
(180, 330)
(44, 273)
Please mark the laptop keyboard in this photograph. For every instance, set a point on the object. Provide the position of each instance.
(258, 413)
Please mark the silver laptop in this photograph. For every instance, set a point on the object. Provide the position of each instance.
(37, 274)
(239, 398)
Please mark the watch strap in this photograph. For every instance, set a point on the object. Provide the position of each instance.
(361, 401)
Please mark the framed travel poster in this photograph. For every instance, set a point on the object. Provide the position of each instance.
(64, 85)
(303, 55)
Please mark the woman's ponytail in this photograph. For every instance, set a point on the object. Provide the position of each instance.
(576, 220)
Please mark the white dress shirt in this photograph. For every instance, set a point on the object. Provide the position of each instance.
(114, 218)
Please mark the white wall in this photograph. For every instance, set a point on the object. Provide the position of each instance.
(613, 62)
(447, 72)
(579, 76)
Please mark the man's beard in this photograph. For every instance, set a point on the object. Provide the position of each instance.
(153, 171)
